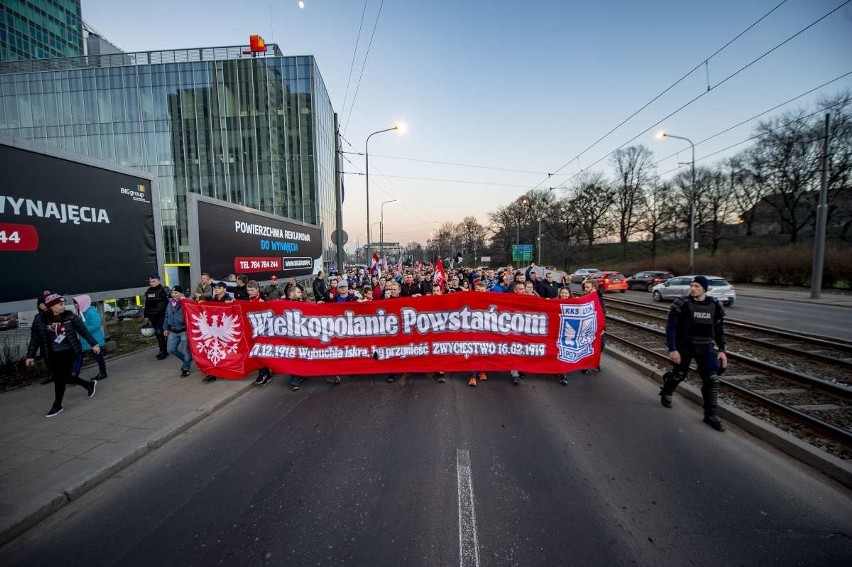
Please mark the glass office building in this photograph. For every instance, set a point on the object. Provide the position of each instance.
(258, 131)
(31, 29)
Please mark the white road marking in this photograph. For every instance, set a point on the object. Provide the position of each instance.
(468, 543)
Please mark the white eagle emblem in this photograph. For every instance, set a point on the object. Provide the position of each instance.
(218, 338)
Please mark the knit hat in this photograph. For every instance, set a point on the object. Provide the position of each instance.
(53, 299)
(177, 288)
(702, 281)
(154, 277)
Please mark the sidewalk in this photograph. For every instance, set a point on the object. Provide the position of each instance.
(800, 295)
(45, 463)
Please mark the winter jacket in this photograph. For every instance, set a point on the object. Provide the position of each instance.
(272, 292)
(156, 299)
(92, 319)
(320, 289)
(66, 325)
(175, 320)
(203, 292)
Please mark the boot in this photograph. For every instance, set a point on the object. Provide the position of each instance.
(710, 393)
(670, 382)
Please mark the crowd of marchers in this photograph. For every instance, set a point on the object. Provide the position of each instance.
(695, 324)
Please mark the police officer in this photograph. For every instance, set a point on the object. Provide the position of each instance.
(156, 300)
(693, 325)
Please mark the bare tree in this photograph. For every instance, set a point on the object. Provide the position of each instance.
(718, 204)
(588, 209)
(633, 169)
(658, 213)
(472, 236)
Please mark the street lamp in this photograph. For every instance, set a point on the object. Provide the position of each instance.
(367, 177)
(382, 228)
(539, 241)
(526, 203)
(661, 134)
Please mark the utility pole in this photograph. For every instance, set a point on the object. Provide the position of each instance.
(338, 196)
(821, 220)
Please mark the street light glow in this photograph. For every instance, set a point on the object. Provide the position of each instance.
(400, 127)
(660, 135)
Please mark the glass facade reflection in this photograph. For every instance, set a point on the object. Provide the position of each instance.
(254, 131)
(40, 28)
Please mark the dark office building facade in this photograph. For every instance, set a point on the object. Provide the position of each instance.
(257, 131)
(36, 29)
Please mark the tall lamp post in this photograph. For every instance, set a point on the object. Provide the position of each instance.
(661, 134)
(382, 228)
(539, 241)
(367, 177)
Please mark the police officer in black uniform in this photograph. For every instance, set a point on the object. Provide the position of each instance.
(694, 324)
(156, 300)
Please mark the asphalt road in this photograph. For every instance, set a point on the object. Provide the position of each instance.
(785, 315)
(370, 473)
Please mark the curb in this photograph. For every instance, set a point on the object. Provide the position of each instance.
(73, 492)
(823, 301)
(837, 469)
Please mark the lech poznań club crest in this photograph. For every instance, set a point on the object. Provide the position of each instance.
(578, 327)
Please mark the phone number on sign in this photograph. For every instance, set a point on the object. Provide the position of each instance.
(255, 264)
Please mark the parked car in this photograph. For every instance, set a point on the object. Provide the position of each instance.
(679, 287)
(610, 281)
(582, 273)
(131, 313)
(8, 321)
(647, 280)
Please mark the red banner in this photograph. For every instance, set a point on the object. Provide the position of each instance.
(466, 331)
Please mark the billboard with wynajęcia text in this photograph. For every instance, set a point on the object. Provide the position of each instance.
(73, 225)
(232, 239)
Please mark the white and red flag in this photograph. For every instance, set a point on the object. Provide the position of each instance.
(440, 276)
(376, 266)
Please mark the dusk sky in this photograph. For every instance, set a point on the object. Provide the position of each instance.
(517, 89)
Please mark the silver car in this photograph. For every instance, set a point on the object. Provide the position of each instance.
(583, 273)
(679, 287)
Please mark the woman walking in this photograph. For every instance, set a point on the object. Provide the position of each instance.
(92, 319)
(55, 331)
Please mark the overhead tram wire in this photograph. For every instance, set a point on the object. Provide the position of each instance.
(714, 87)
(354, 54)
(450, 163)
(386, 176)
(756, 136)
(402, 193)
(363, 66)
(667, 89)
(756, 116)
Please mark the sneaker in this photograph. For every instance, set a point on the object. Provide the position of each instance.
(184, 373)
(516, 377)
(666, 400)
(209, 378)
(267, 379)
(162, 355)
(333, 380)
(260, 377)
(391, 378)
(440, 377)
(92, 388)
(294, 387)
(54, 411)
(472, 381)
(563, 381)
(711, 420)
(101, 375)
(482, 376)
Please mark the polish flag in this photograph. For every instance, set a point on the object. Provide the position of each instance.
(440, 276)
(376, 266)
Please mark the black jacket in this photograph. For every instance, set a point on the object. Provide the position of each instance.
(66, 323)
(156, 300)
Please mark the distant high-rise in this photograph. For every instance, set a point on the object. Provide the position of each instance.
(37, 29)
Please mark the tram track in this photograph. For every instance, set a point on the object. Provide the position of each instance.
(815, 409)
